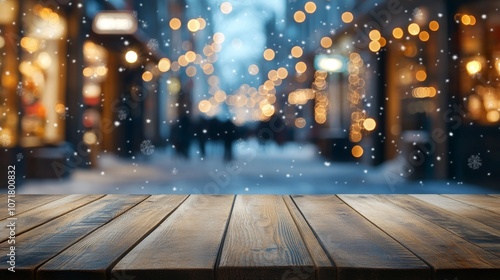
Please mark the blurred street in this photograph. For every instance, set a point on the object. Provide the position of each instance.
(292, 169)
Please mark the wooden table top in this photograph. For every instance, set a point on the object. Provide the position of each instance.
(132, 237)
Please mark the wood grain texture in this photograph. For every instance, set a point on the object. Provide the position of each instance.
(359, 249)
(263, 242)
(450, 256)
(185, 245)
(25, 202)
(463, 209)
(49, 211)
(475, 232)
(479, 200)
(37, 246)
(110, 242)
(323, 266)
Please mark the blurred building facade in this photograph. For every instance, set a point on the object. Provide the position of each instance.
(423, 93)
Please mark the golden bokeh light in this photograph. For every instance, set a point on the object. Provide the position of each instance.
(397, 33)
(204, 106)
(282, 73)
(424, 36)
(193, 25)
(253, 69)
(175, 23)
(421, 75)
(191, 71)
(190, 56)
(297, 51)
(347, 17)
(473, 67)
(493, 116)
(219, 38)
(131, 56)
(202, 22)
(369, 124)
(164, 64)
(226, 8)
(300, 122)
(357, 151)
(413, 29)
(299, 16)
(147, 76)
(326, 42)
(300, 67)
(374, 35)
(269, 54)
(310, 7)
(434, 25)
(374, 46)
(465, 19)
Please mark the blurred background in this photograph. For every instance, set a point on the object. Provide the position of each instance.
(282, 96)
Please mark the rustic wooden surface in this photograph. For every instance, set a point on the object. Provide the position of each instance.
(120, 237)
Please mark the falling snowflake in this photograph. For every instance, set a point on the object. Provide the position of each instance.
(19, 156)
(5, 140)
(240, 144)
(122, 275)
(145, 24)
(175, 171)
(20, 89)
(64, 115)
(147, 147)
(122, 114)
(474, 162)
(153, 44)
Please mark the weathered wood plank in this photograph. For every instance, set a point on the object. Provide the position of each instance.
(450, 256)
(25, 202)
(185, 245)
(49, 211)
(263, 242)
(475, 232)
(36, 246)
(479, 200)
(324, 267)
(472, 212)
(359, 249)
(95, 255)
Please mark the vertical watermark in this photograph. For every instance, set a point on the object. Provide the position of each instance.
(11, 220)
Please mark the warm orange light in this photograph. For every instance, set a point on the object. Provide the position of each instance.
(193, 25)
(473, 67)
(300, 67)
(413, 29)
(296, 52)
(357, 151)
(164, 64)
(310, 7)
(434, 25)
(326, 42)
(219, 38)
(299, 16)
(374, 35)
(282, 73)
(369, 124)
(175, 23)
(147, 76)
(421, 75)
(226, 8)
(204, 106)
(397, 33)
(347, 17)
(202, 23)
(269, 54)
(190, 56)
(300, 122)
(466, 20)
(374, 46)
(424, 36)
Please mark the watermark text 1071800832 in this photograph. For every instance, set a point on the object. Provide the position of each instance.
(11, 220)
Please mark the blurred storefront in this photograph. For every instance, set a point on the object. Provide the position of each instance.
(475, 114)
(423, 93)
